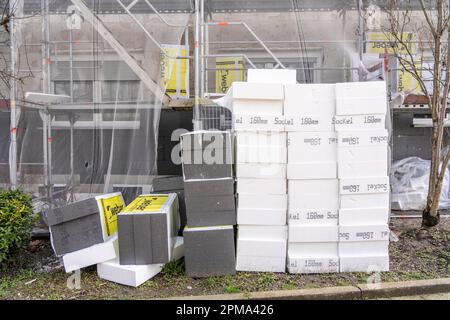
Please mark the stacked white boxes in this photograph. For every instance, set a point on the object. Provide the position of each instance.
(363, 176)
(313, 195)
(261, 156)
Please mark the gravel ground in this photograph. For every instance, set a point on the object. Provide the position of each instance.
(37, 274)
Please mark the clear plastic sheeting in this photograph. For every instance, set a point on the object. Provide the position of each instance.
(409, 181)
(108, 61)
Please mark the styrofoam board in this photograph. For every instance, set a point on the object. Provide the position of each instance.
(261, 264)
(364, 248)
(261, 186)
(260, 138)
(257, 91)
(364, 185)
(373, 200)
(308, 233)
(363, 138)
(267, 217)
(312, 170)
(364, 233)
(311, 146)
(252, 201)
(309, 122)
(369, 216)
(261, 248)
(261, 154)
(261, 170)
(360, 122)
(92, 255)
(355, 154)
(364, 264)
(260, 106)
(262, 232)
(313, 249)
(362, 169)
(135, 275)
(313, 216)
(258, 122)
(312, 264)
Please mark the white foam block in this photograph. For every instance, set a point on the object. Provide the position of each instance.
(305, 99)
(261, 186)
(130, 275)
(362, 169)
(261, 248)
(263, 171)
(373, 200)
(257, 91)
(284, 76)
(364, 233)
(362, 154)
(318, 194)
(354, 98)
(369, 216)
(261, 154)
(266, 217)
(313, 249)
(365, 138)
(364, 185)
(364, 248)
(260, 122)
(92, 255)
(261, 138)
(262, 232)
(311, 146)
(302, 233)
(135, 275)
(260, 107)
(360, 122)
(309, 122)
(312, 264)
(364, 264)
(271, 201)
(313, 217)
(312, 170)
(260, 264)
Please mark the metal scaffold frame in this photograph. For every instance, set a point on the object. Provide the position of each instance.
(200, 27)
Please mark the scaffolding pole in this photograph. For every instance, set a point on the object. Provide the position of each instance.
(12, 98)
(196, 64)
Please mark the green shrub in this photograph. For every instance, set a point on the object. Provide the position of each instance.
(16, 222)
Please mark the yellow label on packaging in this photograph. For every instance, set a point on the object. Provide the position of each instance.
(110, 208)
(175, 72)
(228, 70)
(380, 41)
(147, 203)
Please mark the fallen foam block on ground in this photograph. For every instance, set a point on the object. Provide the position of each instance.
(148, 228)
(90, 256)
(135, 275)
(84, 223)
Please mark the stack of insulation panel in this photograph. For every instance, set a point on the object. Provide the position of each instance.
(363, 176)
(210, 203)
(312, 179)
(261, 155)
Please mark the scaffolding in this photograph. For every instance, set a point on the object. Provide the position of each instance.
(199, 26)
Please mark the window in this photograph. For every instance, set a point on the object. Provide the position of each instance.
(123, 90)
(83, 91)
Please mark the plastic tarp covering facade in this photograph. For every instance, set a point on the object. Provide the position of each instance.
(106, 138)
(409, 181)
